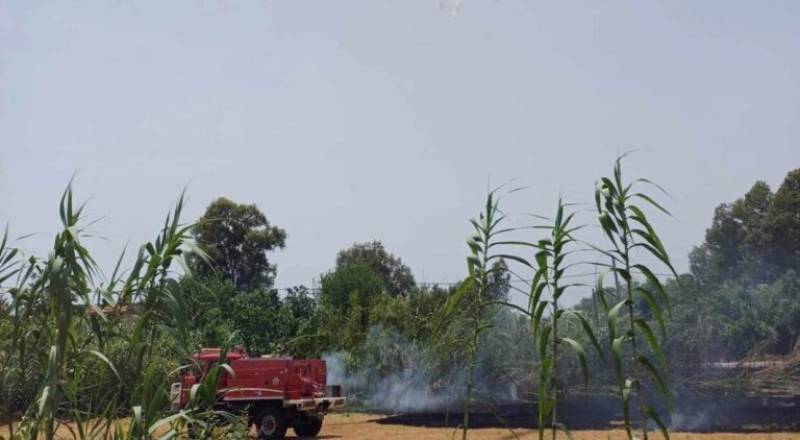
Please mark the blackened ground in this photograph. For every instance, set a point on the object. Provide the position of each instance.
(696, 414)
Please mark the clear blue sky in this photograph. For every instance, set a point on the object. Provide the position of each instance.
(349, 121)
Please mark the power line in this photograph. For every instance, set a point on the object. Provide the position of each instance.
(455, 283)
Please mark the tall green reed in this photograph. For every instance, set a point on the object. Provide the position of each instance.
(552, 264)
(62, 316)
(628, 230)
(472, 296)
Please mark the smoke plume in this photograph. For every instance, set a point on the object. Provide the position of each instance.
(391, 374)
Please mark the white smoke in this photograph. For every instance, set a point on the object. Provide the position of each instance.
(396, 375)
(690, 421)
(397, 379)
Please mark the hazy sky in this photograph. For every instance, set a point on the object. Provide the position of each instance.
(347, 121)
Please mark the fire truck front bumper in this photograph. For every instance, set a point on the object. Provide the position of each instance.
(319, 404)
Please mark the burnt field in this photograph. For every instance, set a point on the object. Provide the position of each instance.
(431, 426)
(744, 414)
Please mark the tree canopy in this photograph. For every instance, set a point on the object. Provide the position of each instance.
(756, 238)
(395, 276)
(746, 271)
(236, 237)
(782, 222)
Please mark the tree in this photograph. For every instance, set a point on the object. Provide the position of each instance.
(300, 302)
(395, 276)
(347, 286)
(499, 281)
(783, 223)
(718, 257)
(209, 307)
(346, 299)
(735, 243)
(751, 212)
(747, 277)
(236, 237)
(262, 320)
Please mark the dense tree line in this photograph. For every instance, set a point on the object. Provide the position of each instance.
(745, 271)
(743, 296)
(739, 299)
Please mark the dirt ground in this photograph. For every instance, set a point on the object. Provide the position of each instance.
(356, 426)
(366, 426)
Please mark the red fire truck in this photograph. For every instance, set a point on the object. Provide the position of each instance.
(277, 392)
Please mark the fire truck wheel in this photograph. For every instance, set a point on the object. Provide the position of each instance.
(271, 424)
(307, 426)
